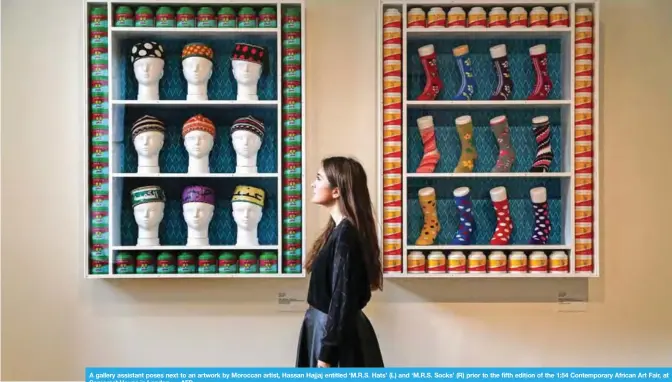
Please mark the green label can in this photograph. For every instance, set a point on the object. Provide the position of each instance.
(206, 263)
(247, 263)
(228, 263)
(186, 263)
(123, 16)
(268, 18)
(144, 17)
(100, 264)
(226, 18)
(247, 18)
(206, 18)
(291, 263)
(268, 262)
(123, 263)
(144, 263)
(165, 17)
(165, 263)
(185, 18)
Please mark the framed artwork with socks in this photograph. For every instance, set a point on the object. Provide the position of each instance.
(196, 129)
(488, 130)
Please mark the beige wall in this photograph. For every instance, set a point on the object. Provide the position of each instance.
(211, 322)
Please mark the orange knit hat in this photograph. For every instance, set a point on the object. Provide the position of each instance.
(198, 122)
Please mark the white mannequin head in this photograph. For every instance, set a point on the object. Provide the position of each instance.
(148, 134)
(148, 63)
(199, 139)
(247, 135)
(197, 66)
(148, 209)
(247, 67)
(247, 210)
(198, 207)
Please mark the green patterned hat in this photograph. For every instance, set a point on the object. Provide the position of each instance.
(147, 194)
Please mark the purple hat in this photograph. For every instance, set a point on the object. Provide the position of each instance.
(198, 194)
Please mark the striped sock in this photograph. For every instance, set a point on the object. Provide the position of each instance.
(542, 134)
(431, 154)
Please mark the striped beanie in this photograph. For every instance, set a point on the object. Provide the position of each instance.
(198, 122)
(249, 123)
(147, 123)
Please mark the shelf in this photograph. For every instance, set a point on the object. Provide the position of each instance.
(197, 276)
(191, 104)
(491, 175)
(154, 32)
(518, 104)
(194, 176)
(488, 33)
(489, 275)
(477, 247)
(134, 248)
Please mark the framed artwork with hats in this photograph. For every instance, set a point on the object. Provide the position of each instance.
(196, 127)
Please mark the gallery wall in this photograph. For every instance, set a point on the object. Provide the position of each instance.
(55, 323)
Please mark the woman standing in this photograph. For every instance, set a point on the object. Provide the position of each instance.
(344, 263)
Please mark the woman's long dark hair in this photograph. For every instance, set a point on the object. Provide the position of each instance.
(355, 204)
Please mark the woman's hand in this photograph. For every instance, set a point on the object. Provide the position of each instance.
(322, 364)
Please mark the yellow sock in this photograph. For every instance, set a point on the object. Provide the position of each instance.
(431, 227)
(468, 156)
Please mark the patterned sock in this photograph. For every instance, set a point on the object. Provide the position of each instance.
(542, 133)
(431, 226)
(433, 83)
(504, 82)
(431, 154)
(468, 87)
(542, 223)
(504, 228)
(500, 127)
(464, 207)
(543, 84)
(466, 131)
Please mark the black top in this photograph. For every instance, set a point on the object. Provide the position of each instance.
(339, 285)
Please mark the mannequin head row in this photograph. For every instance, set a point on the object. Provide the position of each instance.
(148, 59)
(198, 134)
(198, 209)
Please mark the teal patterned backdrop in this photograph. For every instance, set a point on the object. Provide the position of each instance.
(222, 85)
(173, 158)
(173, 229)
(518, 191)
(522, 71)
(448, 141)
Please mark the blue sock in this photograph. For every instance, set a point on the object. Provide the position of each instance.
(466, 227)
(468, 87)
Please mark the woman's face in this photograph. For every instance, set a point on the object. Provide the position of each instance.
(323, 194)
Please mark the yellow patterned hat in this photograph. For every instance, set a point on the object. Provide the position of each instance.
(197, 49)
(249, 194)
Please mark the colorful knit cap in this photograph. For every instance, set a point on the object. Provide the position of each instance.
(249, 123)
(198, 122)
(198, 194)
(147, 194)
(147, 123)
(197, 49)
(146, 49)
(249, 194)
(249, 52)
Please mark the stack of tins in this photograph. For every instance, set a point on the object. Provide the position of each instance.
(99, 135)
(291, 139)
(392, 114)
(583, 119)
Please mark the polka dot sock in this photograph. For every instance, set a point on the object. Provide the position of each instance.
(466, 227)
(431, 227)
(504, 228)
(542, 224)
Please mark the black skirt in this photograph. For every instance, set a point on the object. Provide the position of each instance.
(359, 346)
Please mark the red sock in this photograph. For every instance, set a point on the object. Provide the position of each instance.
(543, 85)
(504, 228)
(434, 84)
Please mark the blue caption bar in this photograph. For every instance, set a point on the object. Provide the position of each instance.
(103, 374)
